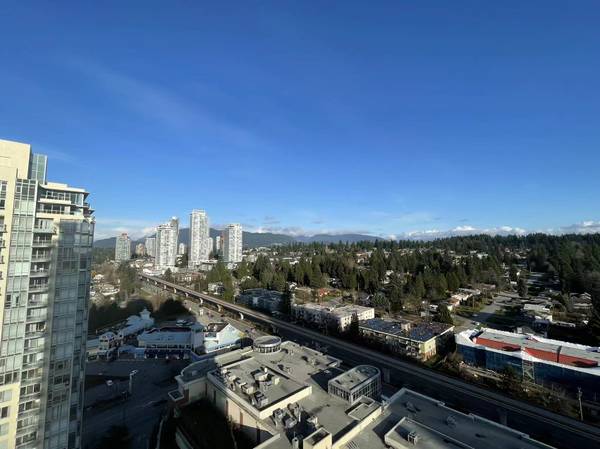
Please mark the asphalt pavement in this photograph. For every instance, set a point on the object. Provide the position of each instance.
(141, 412)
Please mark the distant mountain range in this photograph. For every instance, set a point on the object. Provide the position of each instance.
(257, 239)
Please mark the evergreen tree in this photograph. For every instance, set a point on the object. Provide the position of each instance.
(286, 302)
(419, 287)
(522, 288)
(444, 315)
(452, 281)
(354, 328)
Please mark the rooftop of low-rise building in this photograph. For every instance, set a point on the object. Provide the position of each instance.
(180, 336)
(215, 327)
(287, 393)
(335, 307)
(535, 347)
(412, 420)
(414, 330)
(356, 376)
(261, 292)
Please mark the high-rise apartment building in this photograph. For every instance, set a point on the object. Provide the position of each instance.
(122, 248)
(217, 247)
(182, 249)
(210, 244)
(46, 234)
(167, 238)
(140, 250)
(150, 245)
(232, 243)
(199, 235)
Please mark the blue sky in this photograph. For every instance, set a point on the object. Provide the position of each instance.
(303, 117)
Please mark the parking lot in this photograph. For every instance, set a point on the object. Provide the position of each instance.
(107, 403)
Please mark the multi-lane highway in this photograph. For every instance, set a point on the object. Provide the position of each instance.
(549, 427)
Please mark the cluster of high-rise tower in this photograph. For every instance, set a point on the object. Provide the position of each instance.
(164, 246)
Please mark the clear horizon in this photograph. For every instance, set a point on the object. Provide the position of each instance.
(391, 120)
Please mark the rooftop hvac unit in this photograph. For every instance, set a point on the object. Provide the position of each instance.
(276, 380)
(413, 437)
(278, 414)
(247, 388)
(296, 442)
(411, 407)
(289, 422)
(261, 399)
(260, 376)
(313, 420)
(451, 421)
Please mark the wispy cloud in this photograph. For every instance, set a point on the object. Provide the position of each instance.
(298, 231)
(56, 155)
(430, 234)
(111, 227)
(164, 105)
(270, 220)
(585, 227)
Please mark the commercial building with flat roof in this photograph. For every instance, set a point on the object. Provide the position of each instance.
(261, 299)
(196, 337)
(362, 380)
(536, 359)
(338, 314)
(281, 399)
(417, 339)
(410, 420)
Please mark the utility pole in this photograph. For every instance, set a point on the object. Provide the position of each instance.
(131, 374)
(579, 395)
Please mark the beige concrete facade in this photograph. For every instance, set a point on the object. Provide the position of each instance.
(46, 233)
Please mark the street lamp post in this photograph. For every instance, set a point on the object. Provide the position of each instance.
(579, 396)
(131, 374)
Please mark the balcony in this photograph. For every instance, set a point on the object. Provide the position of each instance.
(35, 333)
(37, 318)
(34, 364)
(39, 230)
(47, 257)
(38, 288)
(30, 396)
(32, 350)
(37, 303)
(39, 273)
(39, 243)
